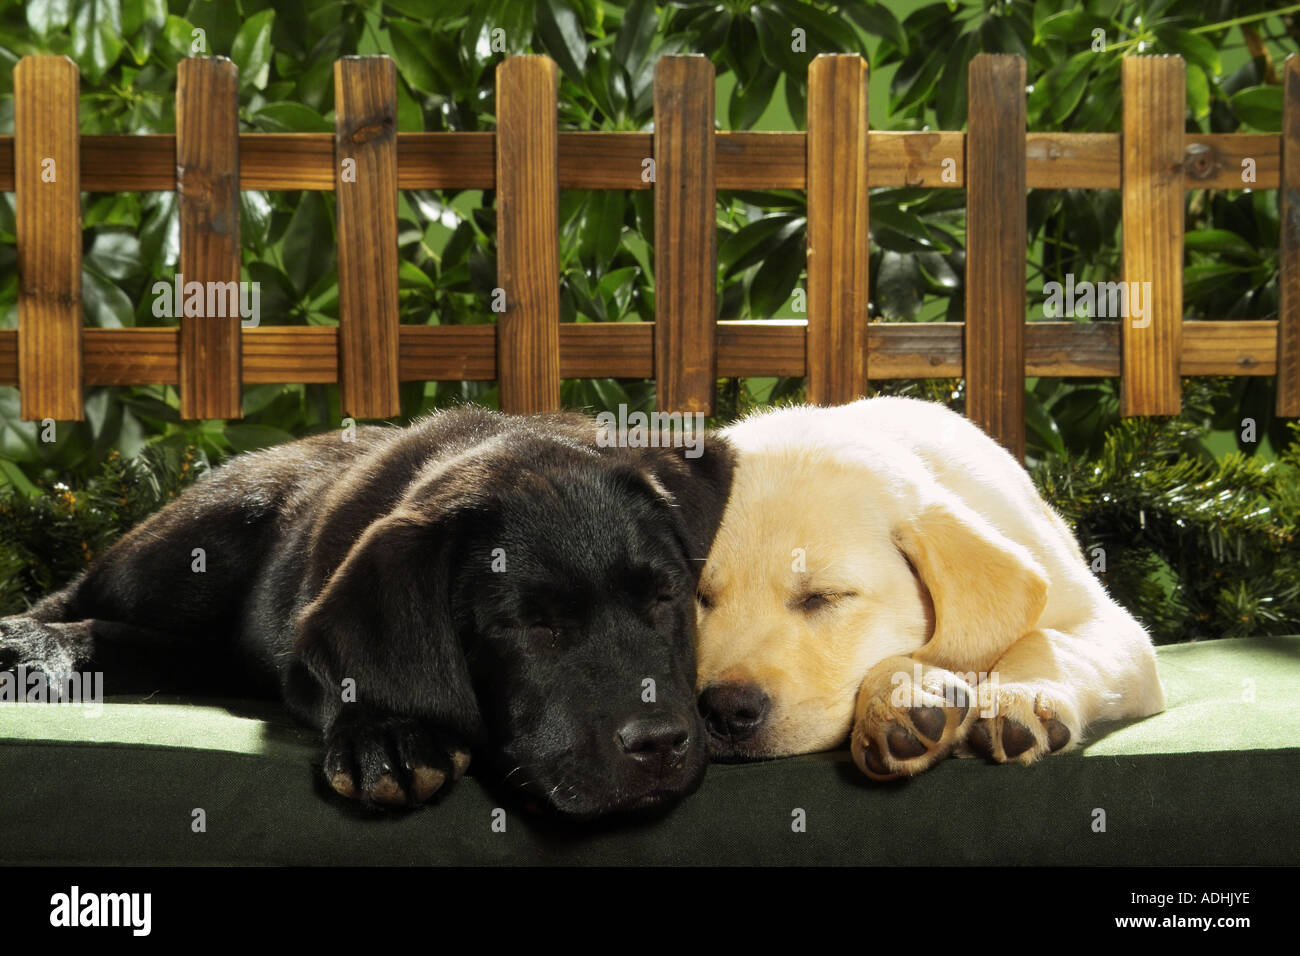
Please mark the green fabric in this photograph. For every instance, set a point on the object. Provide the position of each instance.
(1212, 780)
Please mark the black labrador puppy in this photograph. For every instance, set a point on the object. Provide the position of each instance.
(510, 586)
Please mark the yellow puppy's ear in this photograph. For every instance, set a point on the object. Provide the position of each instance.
(987, 590)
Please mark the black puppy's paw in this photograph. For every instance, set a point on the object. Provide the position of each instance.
(389, 761)
(52, 649)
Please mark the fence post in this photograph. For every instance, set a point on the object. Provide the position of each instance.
(528, 234)
(996, 225)
(1153, 193)
(365, 179)
(838, 229)
(47, 187)
(686, 235)
(1288, 314)
(207, 187)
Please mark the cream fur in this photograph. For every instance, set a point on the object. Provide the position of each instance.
(932, 545)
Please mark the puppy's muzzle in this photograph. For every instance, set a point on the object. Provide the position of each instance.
(733, 712)
(656, 742)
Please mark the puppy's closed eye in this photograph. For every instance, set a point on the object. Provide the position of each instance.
(812, 602)
(544, 636)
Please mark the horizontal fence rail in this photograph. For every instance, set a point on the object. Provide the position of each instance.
(527, 160)
(125, 162)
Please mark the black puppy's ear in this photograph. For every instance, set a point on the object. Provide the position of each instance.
(697, 481)
(384, 620)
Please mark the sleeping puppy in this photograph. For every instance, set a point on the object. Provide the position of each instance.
(885, 572)
(507, 586)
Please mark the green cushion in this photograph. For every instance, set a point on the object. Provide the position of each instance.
(1209, 781)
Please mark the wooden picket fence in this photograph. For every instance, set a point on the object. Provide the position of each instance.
(527, 161)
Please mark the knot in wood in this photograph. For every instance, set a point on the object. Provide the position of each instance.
(370, 129)
(1200, 161)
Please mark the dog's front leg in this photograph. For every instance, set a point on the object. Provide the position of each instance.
(1044, 692)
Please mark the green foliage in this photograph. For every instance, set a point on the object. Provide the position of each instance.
(52, 536)
(1195, 547)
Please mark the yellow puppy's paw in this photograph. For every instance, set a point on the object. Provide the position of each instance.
(1025, 724)
(909, 717)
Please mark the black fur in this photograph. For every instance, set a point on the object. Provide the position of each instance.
(371, 561)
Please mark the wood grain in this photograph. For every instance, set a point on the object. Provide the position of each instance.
(996, 224)
(365, 132)
(528, 239)
(47, 181)
(685, 240)
(1152, 196)
(1288, 326)
(1072, 160)
(838, 233)
(746, 348)
(612, 160)
(207, 192)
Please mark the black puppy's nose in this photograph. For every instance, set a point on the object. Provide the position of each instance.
(733, 711)
(656, 739)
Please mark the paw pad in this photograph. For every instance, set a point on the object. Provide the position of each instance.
(1024, 728)
(902, 728)
(389, 762)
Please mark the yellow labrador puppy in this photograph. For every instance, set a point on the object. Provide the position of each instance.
(887, 573)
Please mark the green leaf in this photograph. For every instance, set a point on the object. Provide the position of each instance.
(97, 37)
(1220, 241)
(915, 77)
(1041, 429)
(636, 32)
(1198, 92)
(106, 305)
(46, 15)
(1074, 26)
(149, 15)
(178, 33)
(750, 100)
(409, 43)
(775, 40)
(115, 254)
(877, 19)
(937, 272)
(254, 218)
(307, 249)
(1201, 279)
(796, 99)
(277, 294)
(160, 233)
(898, 293)
(825, 33)
(617, 287)
(251, 50)
(412, 276)
(14, 475)
(950, 104)
(776, 280)
(1059, 91)
(1260, 107)
(290, 118)
(603, 227)
(563, 38)
(419, 9)
(757, 242)
(902, 231)
(1194, 48)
